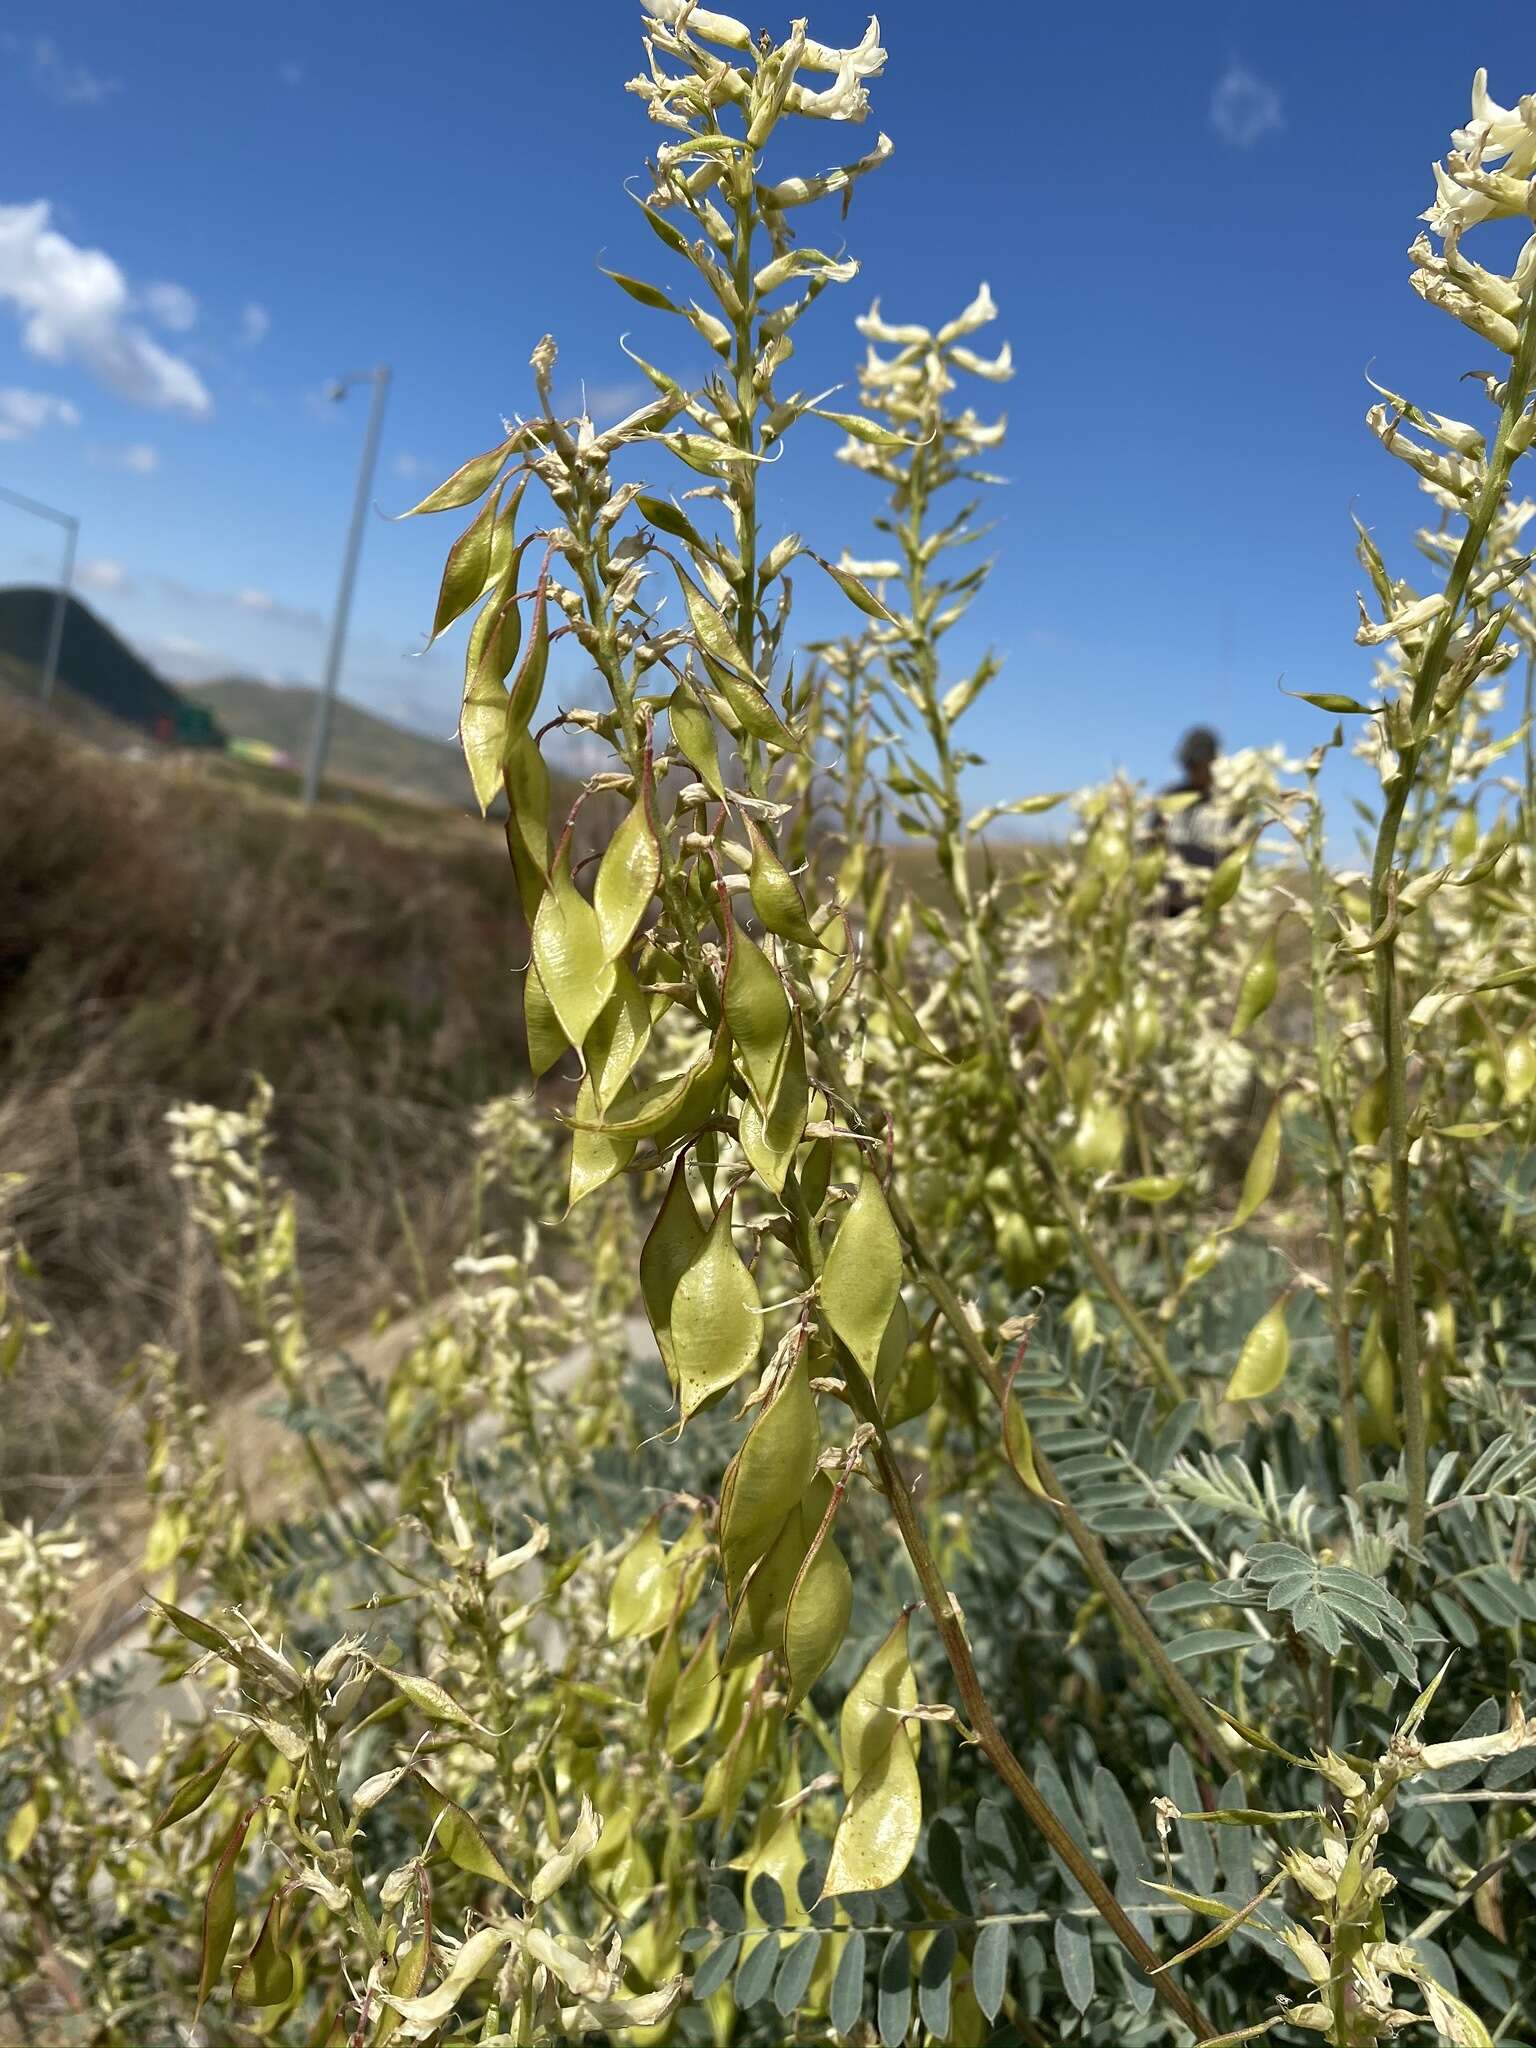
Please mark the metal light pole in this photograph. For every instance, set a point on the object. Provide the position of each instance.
(71, 527)
(320, 738)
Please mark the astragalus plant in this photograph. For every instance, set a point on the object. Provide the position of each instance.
(1087, 1389)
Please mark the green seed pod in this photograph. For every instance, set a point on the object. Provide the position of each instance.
(775, 1464)
(693, 734)
(1519, 1067)
(1224, 881)
(770, 1139)
(673, 1242)
(1368, 1118)
(816, 1615)
(1262, 1362)
(757, 1621)
(568, 952)
(1464, 835)
(878, 1832)
(1098, 1143)
(716, 1318)
(1260, 979)
(861, 1281)
(775, 897)
(1259, 1180)
(757, 1011)
(1378, 1385)
(626, 880)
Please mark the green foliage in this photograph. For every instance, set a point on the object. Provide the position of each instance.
(1054, 1303)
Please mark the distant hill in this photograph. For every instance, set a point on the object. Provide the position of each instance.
(99, 666)
(364, 747)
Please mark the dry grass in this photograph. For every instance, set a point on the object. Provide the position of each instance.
(164, 932)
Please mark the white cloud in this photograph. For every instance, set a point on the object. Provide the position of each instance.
(139, 458)
(616, 398)
(291, 73)
(66, 84)
(105, 575)
(1244, 107)
(171, 306)
(255, 325)
(248, 599)
(25, 413)
(75, 306)
(408, 465)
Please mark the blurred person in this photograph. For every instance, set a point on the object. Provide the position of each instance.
(1190, 822)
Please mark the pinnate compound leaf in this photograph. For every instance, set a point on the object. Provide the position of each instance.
(935, 1982)
(755, 1977)
(989, 1966)
(795, 1973)
(1074, 1959)
(893, 2002)
(846, 2005)
(716, 1968)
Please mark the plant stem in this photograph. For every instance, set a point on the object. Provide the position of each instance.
(999, 1752)
(954, 862)
(1142, 1638)
(1325, 1054)
(1421, 711)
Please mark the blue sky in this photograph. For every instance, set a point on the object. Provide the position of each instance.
(1193, 220)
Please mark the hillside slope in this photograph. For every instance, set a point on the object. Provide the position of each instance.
(98, 665)
(364, 747)
(167, 929)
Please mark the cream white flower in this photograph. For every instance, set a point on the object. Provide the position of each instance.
(874, 328)
(996, 369)
(981, 309)
(844, 100)
(1462, 194)
(800, 191)
(702, 22)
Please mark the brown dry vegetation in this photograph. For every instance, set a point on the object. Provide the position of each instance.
(167, 928)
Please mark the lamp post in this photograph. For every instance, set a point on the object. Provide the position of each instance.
(320, 737)
(71, 527)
